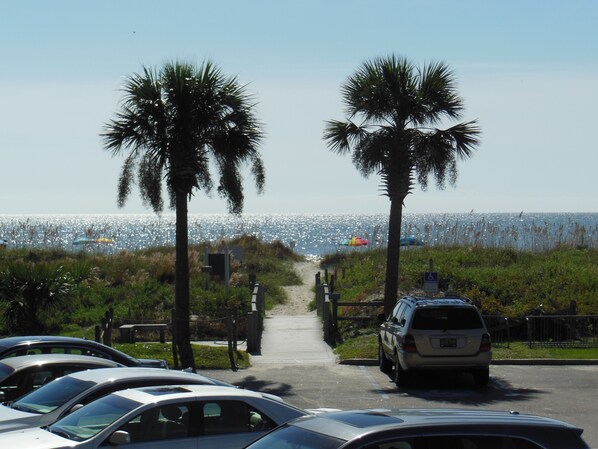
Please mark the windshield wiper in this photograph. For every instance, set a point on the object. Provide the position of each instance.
(60, 433)
(23, 408)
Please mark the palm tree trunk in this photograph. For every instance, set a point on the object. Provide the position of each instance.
(391, 285)
(182, 335)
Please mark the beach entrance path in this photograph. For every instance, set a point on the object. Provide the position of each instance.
(292, 334)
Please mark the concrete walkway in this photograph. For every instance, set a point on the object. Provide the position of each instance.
(292, 334)
(293, 340)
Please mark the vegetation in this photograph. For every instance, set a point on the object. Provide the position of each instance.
(30, 291)
(366, 347)
(206, 357)
(502, 282)
(399, 107)
(175, 124)
(139, 286)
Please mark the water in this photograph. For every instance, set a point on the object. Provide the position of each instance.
(309, 234)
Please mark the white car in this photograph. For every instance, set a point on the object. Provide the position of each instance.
(56, 399)
(181, 416)
(20, 375)
(423, 334)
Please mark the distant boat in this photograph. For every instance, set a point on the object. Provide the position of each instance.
(411, 241)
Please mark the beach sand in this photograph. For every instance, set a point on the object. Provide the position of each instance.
(299, 296)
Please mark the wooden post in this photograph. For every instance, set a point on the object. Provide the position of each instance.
(235, 328)
(106, 328)
(231, 355)
(326, 312)
(175, 353)
(334, 297)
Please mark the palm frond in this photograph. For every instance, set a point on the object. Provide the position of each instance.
(341, 136)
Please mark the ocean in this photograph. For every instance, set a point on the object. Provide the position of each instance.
(310, 235)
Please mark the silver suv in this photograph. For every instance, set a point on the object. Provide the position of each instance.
(434, 334)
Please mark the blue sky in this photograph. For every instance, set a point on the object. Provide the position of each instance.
(528, 72)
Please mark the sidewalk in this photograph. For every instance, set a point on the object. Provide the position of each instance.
(293, 340)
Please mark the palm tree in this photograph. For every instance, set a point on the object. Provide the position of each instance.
(398, 108)
(174, 124)
(30, 291)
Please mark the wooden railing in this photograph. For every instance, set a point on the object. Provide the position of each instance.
(255, 319)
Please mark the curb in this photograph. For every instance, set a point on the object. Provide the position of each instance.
(556, 362)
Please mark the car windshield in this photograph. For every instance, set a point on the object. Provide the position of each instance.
(447, 318)
(291, 437)
(124, 355)
(90, 420)
(51, 396)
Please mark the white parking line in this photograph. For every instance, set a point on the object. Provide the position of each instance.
(375, 384)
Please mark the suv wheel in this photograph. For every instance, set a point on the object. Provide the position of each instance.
(383, 362)
(481, 377)
(400, 377)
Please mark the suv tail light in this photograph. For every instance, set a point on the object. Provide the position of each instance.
(408, 343)
(485, 344)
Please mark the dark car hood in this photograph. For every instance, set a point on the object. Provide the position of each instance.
(153, 363)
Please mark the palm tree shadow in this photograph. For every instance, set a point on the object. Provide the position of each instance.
(265, 386)
(459, 390)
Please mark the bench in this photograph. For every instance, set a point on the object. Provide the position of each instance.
(127, 331)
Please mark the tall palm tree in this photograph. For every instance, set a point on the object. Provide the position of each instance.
(397, 107)
(173, 125)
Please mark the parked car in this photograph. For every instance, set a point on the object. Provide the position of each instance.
(58, 398)
(20, 375)
(423, 429)
(434, 334)
(45, 344)
(183, 416)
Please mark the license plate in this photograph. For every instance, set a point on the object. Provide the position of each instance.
(448, 342)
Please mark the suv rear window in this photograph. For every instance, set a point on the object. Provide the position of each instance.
(446, 318)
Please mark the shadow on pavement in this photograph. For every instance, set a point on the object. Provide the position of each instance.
(265, 386)
(459, 389)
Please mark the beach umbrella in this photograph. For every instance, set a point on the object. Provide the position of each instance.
(410, 241)
(355, 241)
(104, 240)
(90, 240)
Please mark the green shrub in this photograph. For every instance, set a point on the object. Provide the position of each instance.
(140, 285)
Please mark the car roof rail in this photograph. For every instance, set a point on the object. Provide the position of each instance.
(415, 298)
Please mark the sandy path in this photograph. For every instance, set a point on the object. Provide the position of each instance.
(299, 296)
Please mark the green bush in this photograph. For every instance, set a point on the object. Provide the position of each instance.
(500, 281)
(136, 285)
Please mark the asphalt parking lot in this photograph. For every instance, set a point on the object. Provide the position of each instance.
(562, 392)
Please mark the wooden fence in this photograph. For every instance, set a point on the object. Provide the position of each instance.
(564, 331)
(255, 319)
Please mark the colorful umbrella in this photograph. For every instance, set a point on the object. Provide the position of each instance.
(410, 241)
(355, 241)
(88, 240)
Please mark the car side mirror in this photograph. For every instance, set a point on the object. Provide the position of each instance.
(381, 318)
(120, 437)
